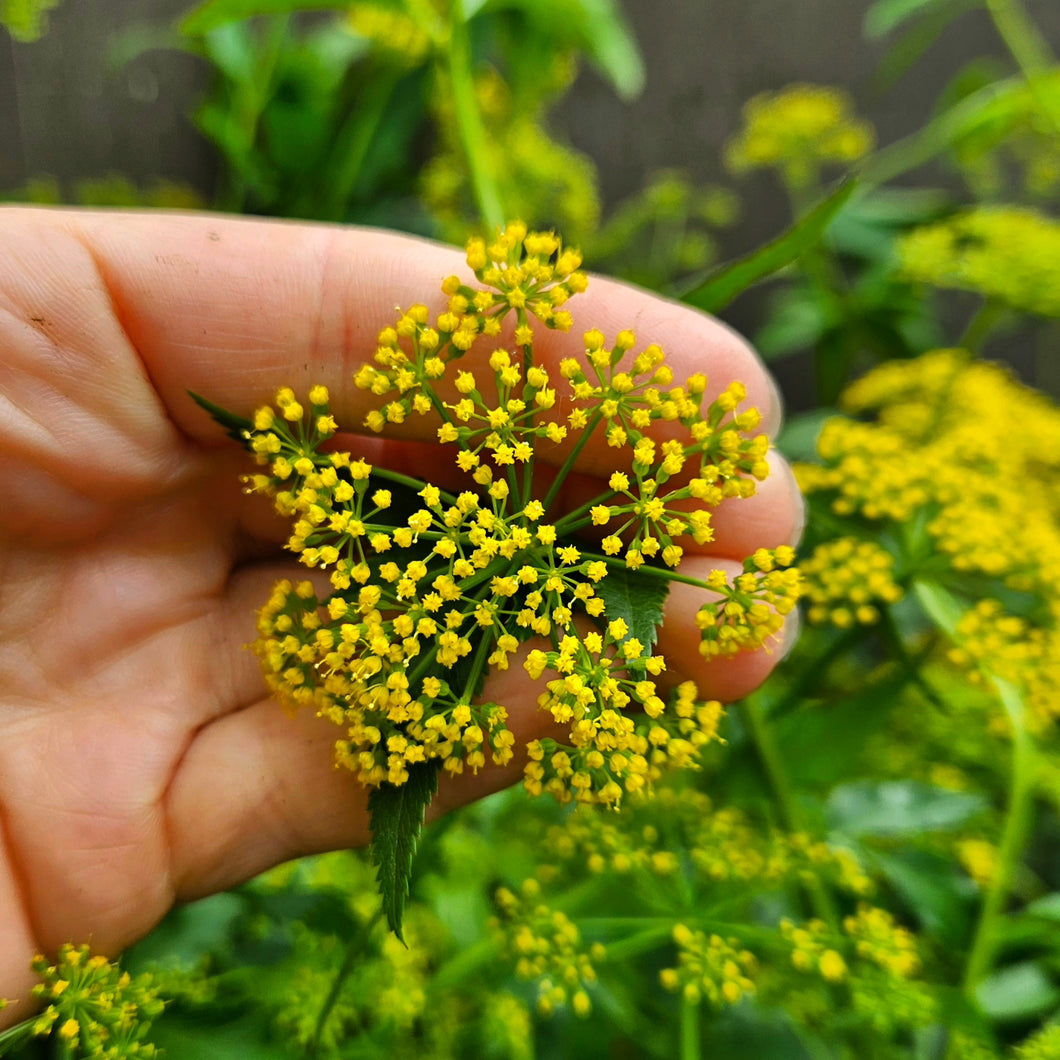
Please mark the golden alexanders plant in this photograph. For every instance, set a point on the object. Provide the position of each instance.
(429, 588)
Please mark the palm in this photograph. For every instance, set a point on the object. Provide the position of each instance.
(140, 761)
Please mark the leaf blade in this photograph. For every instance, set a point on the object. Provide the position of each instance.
(396, 814)
(637, 599)
(719, 288)
(236, 427)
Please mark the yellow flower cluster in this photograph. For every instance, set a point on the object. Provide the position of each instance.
(723, 843)
(94, 1008)
(798, 130)
(1014, 131)
(395, 36)
(845, 581)
(877, 938)
(423, 603)
(1014, 649)
(1044, 1045)
(981, 496)
(709, 968)
(752, 607)
(1007, 254)
(547, 946)
(870, 935)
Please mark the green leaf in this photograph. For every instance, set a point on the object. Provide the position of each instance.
(899, 807)
(724, 284)
(935, 890)
(942, 607)
(214, 13)
(26, 20)
(885, 16)
(236, 427)
(1046, 907)
(611, 46)
(637, 598)
(1019, 992)
(396, 812)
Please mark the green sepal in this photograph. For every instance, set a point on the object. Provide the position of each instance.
(236, 427)
(715, 291)
(396, 813)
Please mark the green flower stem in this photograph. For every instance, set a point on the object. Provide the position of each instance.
(460, 968)
(1021, 37)
(933, 139)
(354, 950)
(690, 1035)
(652, 572)
(811, 674)
(1014, 836)
(15, 1036)
(642, 942)
(568, 464)
(469, 124)
(772, 763)
(982, 323)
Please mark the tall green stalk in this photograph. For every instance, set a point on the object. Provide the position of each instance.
(469, 124)
(1015, 832)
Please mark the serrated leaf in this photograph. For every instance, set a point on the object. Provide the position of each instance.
(722, 285)
(396, 813)
(636, 598)
(236, 427)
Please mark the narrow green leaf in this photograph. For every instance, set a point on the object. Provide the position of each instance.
(236, 427)
(724, 284)
(636, 598)
(885, 16)
(396, 813)
(941, 606)
(214, 13)
(612, 47)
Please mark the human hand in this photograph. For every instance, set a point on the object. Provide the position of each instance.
(141, 761)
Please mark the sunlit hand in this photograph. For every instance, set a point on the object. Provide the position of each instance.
(141, 762)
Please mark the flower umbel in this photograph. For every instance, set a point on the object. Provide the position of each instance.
(431, 588)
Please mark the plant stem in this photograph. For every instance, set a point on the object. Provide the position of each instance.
(772, 763)
(1014, 836)
(469, 124)
(652, 572)
(1028, 48)
(354, 949)
(690, 1011)
(569, 462)
(980, 326)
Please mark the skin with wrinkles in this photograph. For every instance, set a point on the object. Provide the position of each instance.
(141, 762)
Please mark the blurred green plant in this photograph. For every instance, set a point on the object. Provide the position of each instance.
(26, 20)
(868, 867)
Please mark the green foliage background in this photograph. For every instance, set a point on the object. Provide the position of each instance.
(867, 868)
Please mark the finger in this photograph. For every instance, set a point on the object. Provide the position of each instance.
(232, 308)
(256, 787)
(259, 787)
(727, 678)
